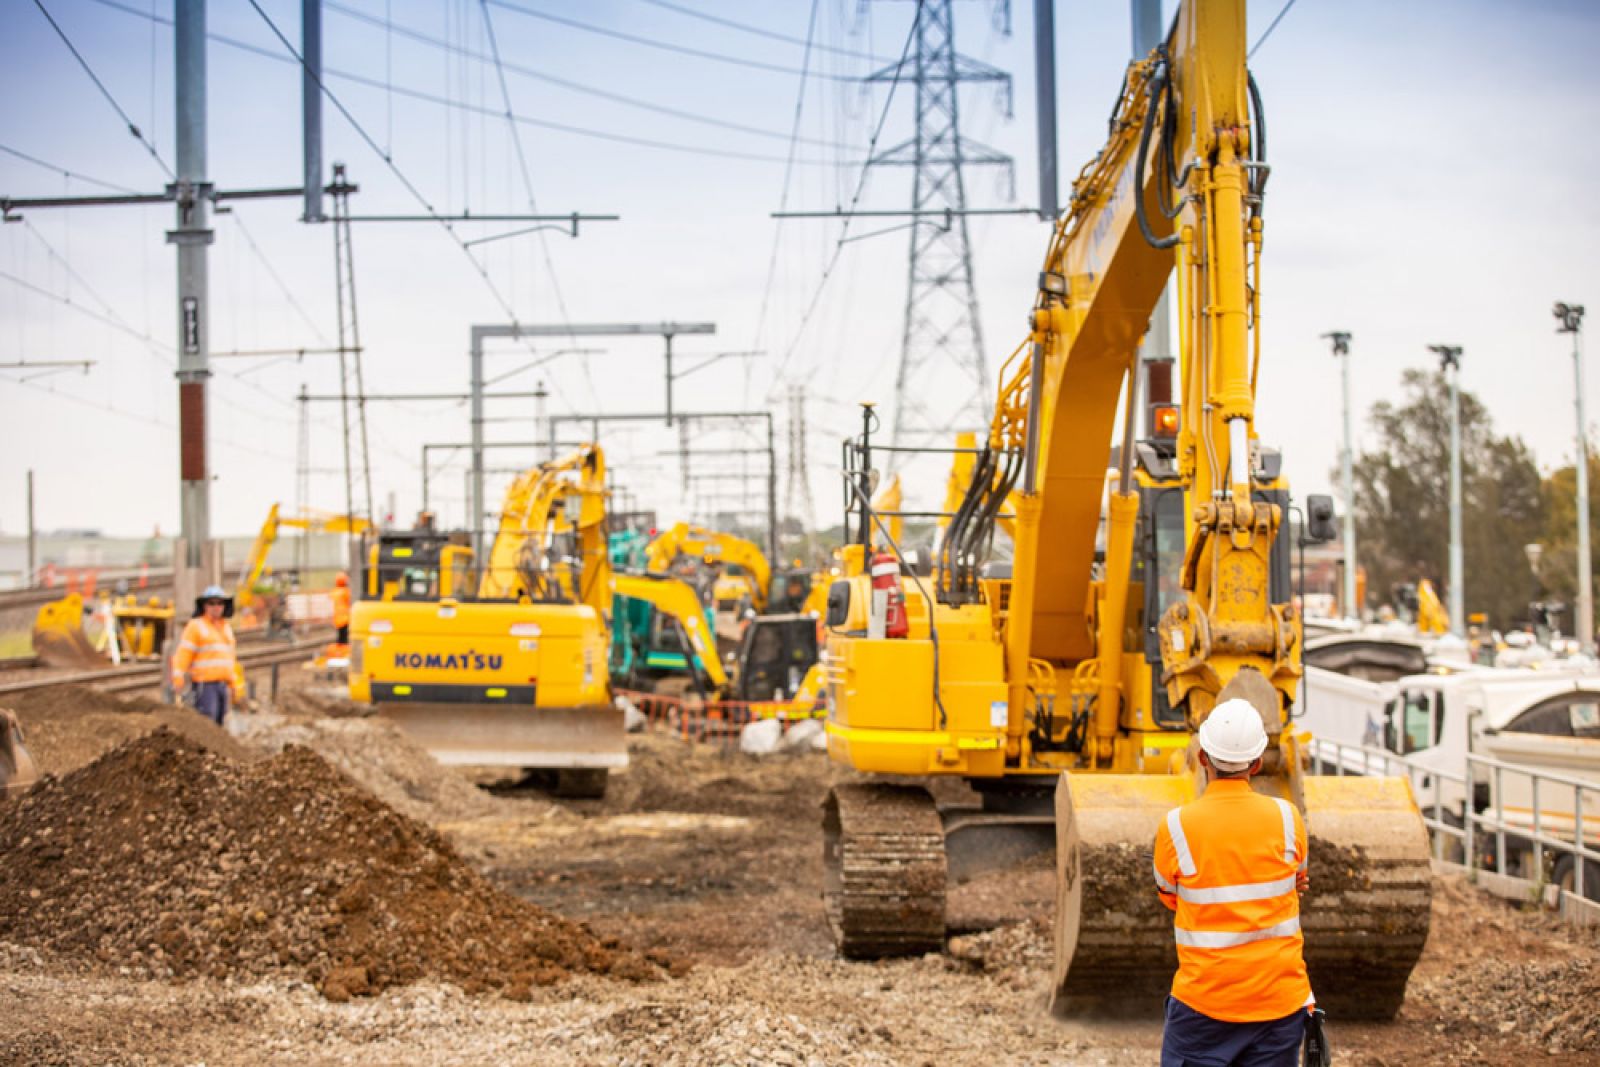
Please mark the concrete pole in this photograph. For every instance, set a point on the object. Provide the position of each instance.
(1044, 65)
(1450, 363)
(772, 496)
(1571, 316)
(192, 235)
(33, 541)
(1341, 352)
(311, 105)
(475, 493)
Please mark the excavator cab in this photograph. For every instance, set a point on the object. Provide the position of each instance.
(774, 656)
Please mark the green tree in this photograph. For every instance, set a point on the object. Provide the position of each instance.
(1558, 566)
(1402, 496)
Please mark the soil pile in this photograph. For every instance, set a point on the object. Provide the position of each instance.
(164, 859)
(378, 755)
(68, 726)
(1492, 968)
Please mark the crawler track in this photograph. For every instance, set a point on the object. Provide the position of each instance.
(884, 871)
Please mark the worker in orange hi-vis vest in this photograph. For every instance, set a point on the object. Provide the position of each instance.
(341, 608)
(1232, 866)
(207, 657)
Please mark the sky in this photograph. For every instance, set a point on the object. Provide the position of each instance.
(1431, 182)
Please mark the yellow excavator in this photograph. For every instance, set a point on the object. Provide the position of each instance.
(1148, 583)
(511, 670)
(247, 595)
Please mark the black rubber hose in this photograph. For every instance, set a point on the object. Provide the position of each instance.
(1155, 90)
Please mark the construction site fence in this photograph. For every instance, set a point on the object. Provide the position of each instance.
(1484, 827)
(715, 722)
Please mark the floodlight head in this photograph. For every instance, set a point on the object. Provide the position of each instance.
(1449, 356)
(1570, 316)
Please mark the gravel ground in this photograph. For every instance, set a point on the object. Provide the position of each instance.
(711, 860)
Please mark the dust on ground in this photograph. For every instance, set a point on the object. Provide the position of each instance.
(707, 857)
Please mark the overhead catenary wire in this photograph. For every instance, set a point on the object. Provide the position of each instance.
(849, 214)
(648, 42)
(773, 35)
(1268, 31)
(708, 151)
(64, 172)
(133, 127)
(566, 83)
(788, 177)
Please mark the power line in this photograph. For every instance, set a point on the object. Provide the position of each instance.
(745, 27)
(64, 172)
(849, 214)
(461, 105)
(244, 232)
(578, 87)
(788, 175)
(697, 53)
(1268, 31)
(533, 204)
(388, 162)
(98, 84)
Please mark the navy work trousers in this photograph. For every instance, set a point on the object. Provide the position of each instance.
(1195, 1040)
(211, 699)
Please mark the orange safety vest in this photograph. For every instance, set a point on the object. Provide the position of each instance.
(205, 653)
(1226, 864)
(341, 606)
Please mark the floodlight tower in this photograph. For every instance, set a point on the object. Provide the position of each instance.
(1571, 318)
(1450, 364)
(1341, 352)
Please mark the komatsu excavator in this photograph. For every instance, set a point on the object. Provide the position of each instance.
(512, 672)
(1148, 583)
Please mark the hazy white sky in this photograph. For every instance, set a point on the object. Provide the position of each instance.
(1432, 174)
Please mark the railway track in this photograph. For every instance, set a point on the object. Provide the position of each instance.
(158, 584)
(137, 676)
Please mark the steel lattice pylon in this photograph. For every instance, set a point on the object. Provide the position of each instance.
(942, 327)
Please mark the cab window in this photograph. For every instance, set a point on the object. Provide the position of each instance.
(1570, 715)
(1414, 722)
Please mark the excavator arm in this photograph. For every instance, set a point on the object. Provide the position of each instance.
(712, 546)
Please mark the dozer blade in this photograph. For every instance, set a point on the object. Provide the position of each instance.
(58, 637)
(1365, 917)
(496, 735)
(17, 769)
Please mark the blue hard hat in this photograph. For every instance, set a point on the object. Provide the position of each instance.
(214, 592)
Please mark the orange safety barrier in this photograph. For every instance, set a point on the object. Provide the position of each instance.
(715, 721)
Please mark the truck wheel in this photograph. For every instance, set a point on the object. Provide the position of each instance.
(1565, 875)
(581, 782)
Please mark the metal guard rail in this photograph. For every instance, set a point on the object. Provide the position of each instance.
(1492, 820)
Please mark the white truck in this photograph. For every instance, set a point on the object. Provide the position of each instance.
(1539, 722)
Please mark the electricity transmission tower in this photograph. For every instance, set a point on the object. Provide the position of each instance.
(797, 501)
(941, 328)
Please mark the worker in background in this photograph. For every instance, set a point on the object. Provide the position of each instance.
(1231, 865)
(207, 657)
(341, 609)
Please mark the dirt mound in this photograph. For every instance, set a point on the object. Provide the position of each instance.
(164, 859)
(69, 726)
(378, 755)
(1492, 968)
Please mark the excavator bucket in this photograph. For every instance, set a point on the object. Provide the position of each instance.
(59, 639)
(17, 769)
(1365, 917)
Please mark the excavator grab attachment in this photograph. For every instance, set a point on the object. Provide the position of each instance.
(17, 769)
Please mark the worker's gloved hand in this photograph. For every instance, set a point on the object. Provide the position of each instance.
(1302, 881)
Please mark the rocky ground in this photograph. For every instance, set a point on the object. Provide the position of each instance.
(700, 868)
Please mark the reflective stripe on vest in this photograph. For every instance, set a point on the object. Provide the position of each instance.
(1164, 885)
(1234, 938)
(1186, 865)
(1288, 829)
(1235, 894)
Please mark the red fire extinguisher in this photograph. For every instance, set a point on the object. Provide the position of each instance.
(888, 617)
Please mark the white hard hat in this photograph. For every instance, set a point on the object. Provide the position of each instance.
(1232, 734)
